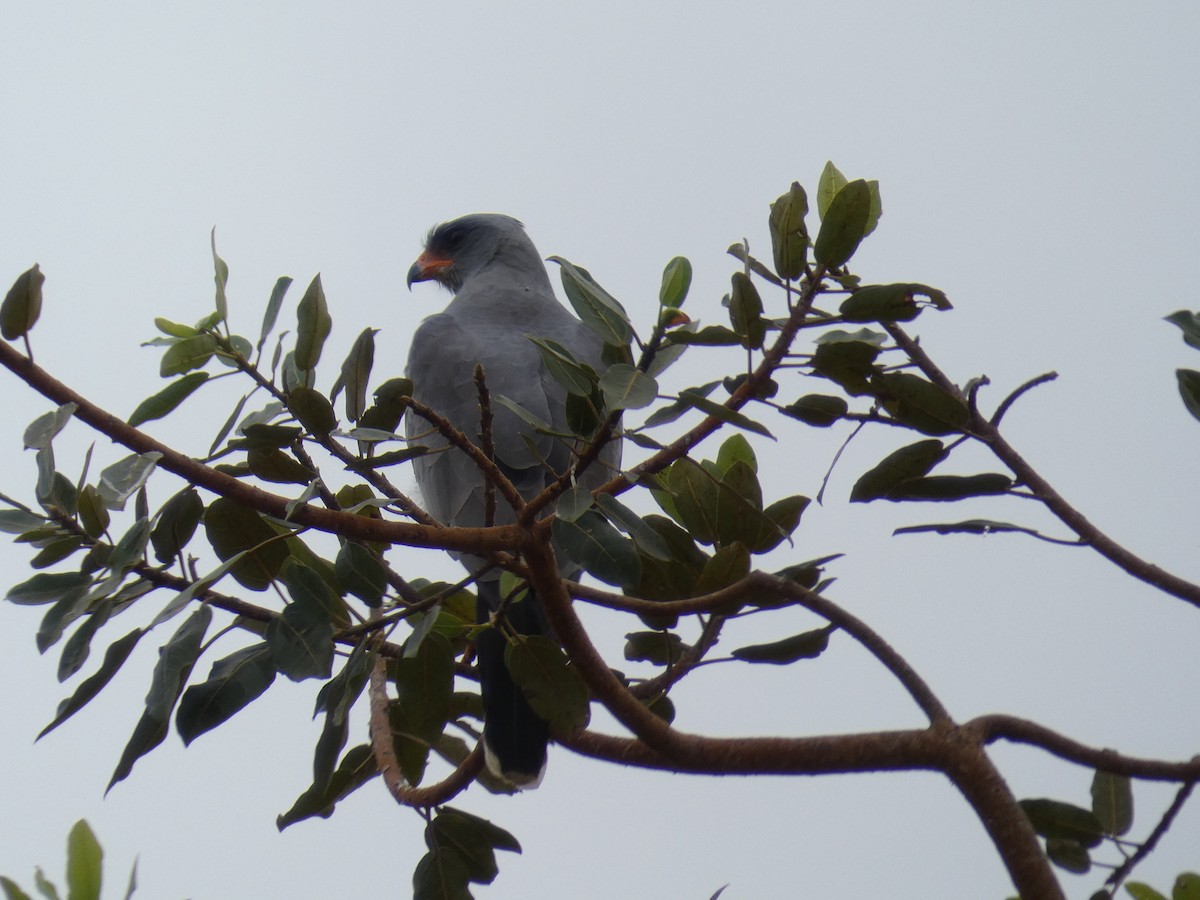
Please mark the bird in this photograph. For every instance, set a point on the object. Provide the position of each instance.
(502, 297)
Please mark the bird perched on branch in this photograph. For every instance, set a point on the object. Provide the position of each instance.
(502, 298)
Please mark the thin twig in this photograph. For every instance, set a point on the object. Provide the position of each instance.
(1124, 870)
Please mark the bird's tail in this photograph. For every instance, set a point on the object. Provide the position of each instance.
(514, 736)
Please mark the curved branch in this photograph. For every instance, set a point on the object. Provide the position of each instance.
(1115, 553)
(389, 767)
(995, 727)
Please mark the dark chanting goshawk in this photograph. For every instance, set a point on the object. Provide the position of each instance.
(502, 297)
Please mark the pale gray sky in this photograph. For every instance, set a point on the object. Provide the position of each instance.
(1037, 162)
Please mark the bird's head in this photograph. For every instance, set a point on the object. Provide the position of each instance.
(454, 251)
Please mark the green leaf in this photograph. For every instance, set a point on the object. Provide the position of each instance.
(745, 312)
(1186, 887)
(232, 684)
(425, 683)
(921, 404)
(576, 377)
(947, 488)
(47, 588)
(591, 542)
(114, 657)
(736, 448)
(1069, 855)
(122, 479)
(677, 278)
(912, 461)
(659, 648)
(709, 336)
(301, 637)
(782, 517)
(1112, 802)
(356, 769)
(360, 573)
(627, 387)
(1189, 389)
(273, 307)
(728, 565)
(828, 185)
(441, 874)
(475, 840)
(22, 304)
(176, 524)
(187, 354)
(12, 891)
(890, 302)
(166, 400)
(356, 373)
(313, 325)
(232, 529)
(41, 431)
(313, 410)
(648, 540)
(573, 503)
(221, 277)
(595, 307)
(807, 645)
(844, 224)
(19, 521)
(85, 862)
(175, 660)
(553, 687)
(789, 234)
(818, 410)
(1189, 324)
(712, 408)
(1141, 891)
(1055, 819)
(277, 467)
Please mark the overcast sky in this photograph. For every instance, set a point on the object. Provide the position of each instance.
(1037, 162)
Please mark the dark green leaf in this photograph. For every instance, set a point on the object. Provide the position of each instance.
(233, 528)
(277, 467)
(187, 354)
(819, 410)
(912, 461)
(723, 413)
(807, 645)
(573, 375)
(745, 312)
(166, 400)
(273, 307)
(175, 661)
(232, 683)
(789, 234)
(114, 657)
(360, 573)
(848, 362)
(844, 224)
(626, 387)
(782, 517)
(648, 541)
(1055, 819)
(301, 637)
(709, 336)
(677, 278)
(591, 542)
(263, 436)
(313, 410)
(595, 306)
(176, 524)
(1189, 324)
(474, 839)
(659, 648)
(728, 565)
(552, 685)
(313, 324)
(19, 521)
(947, 488)
(1112, 802)
(47, 588)
(66, 609)
(673, 411)
(1069, 855)
(1189, 389)
(573, 503)
(1186, 887)
(425, 683)
(221, 277)
(356, 372)
(92, 514)
(22, 304)
(441, 874)
(356, 769)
